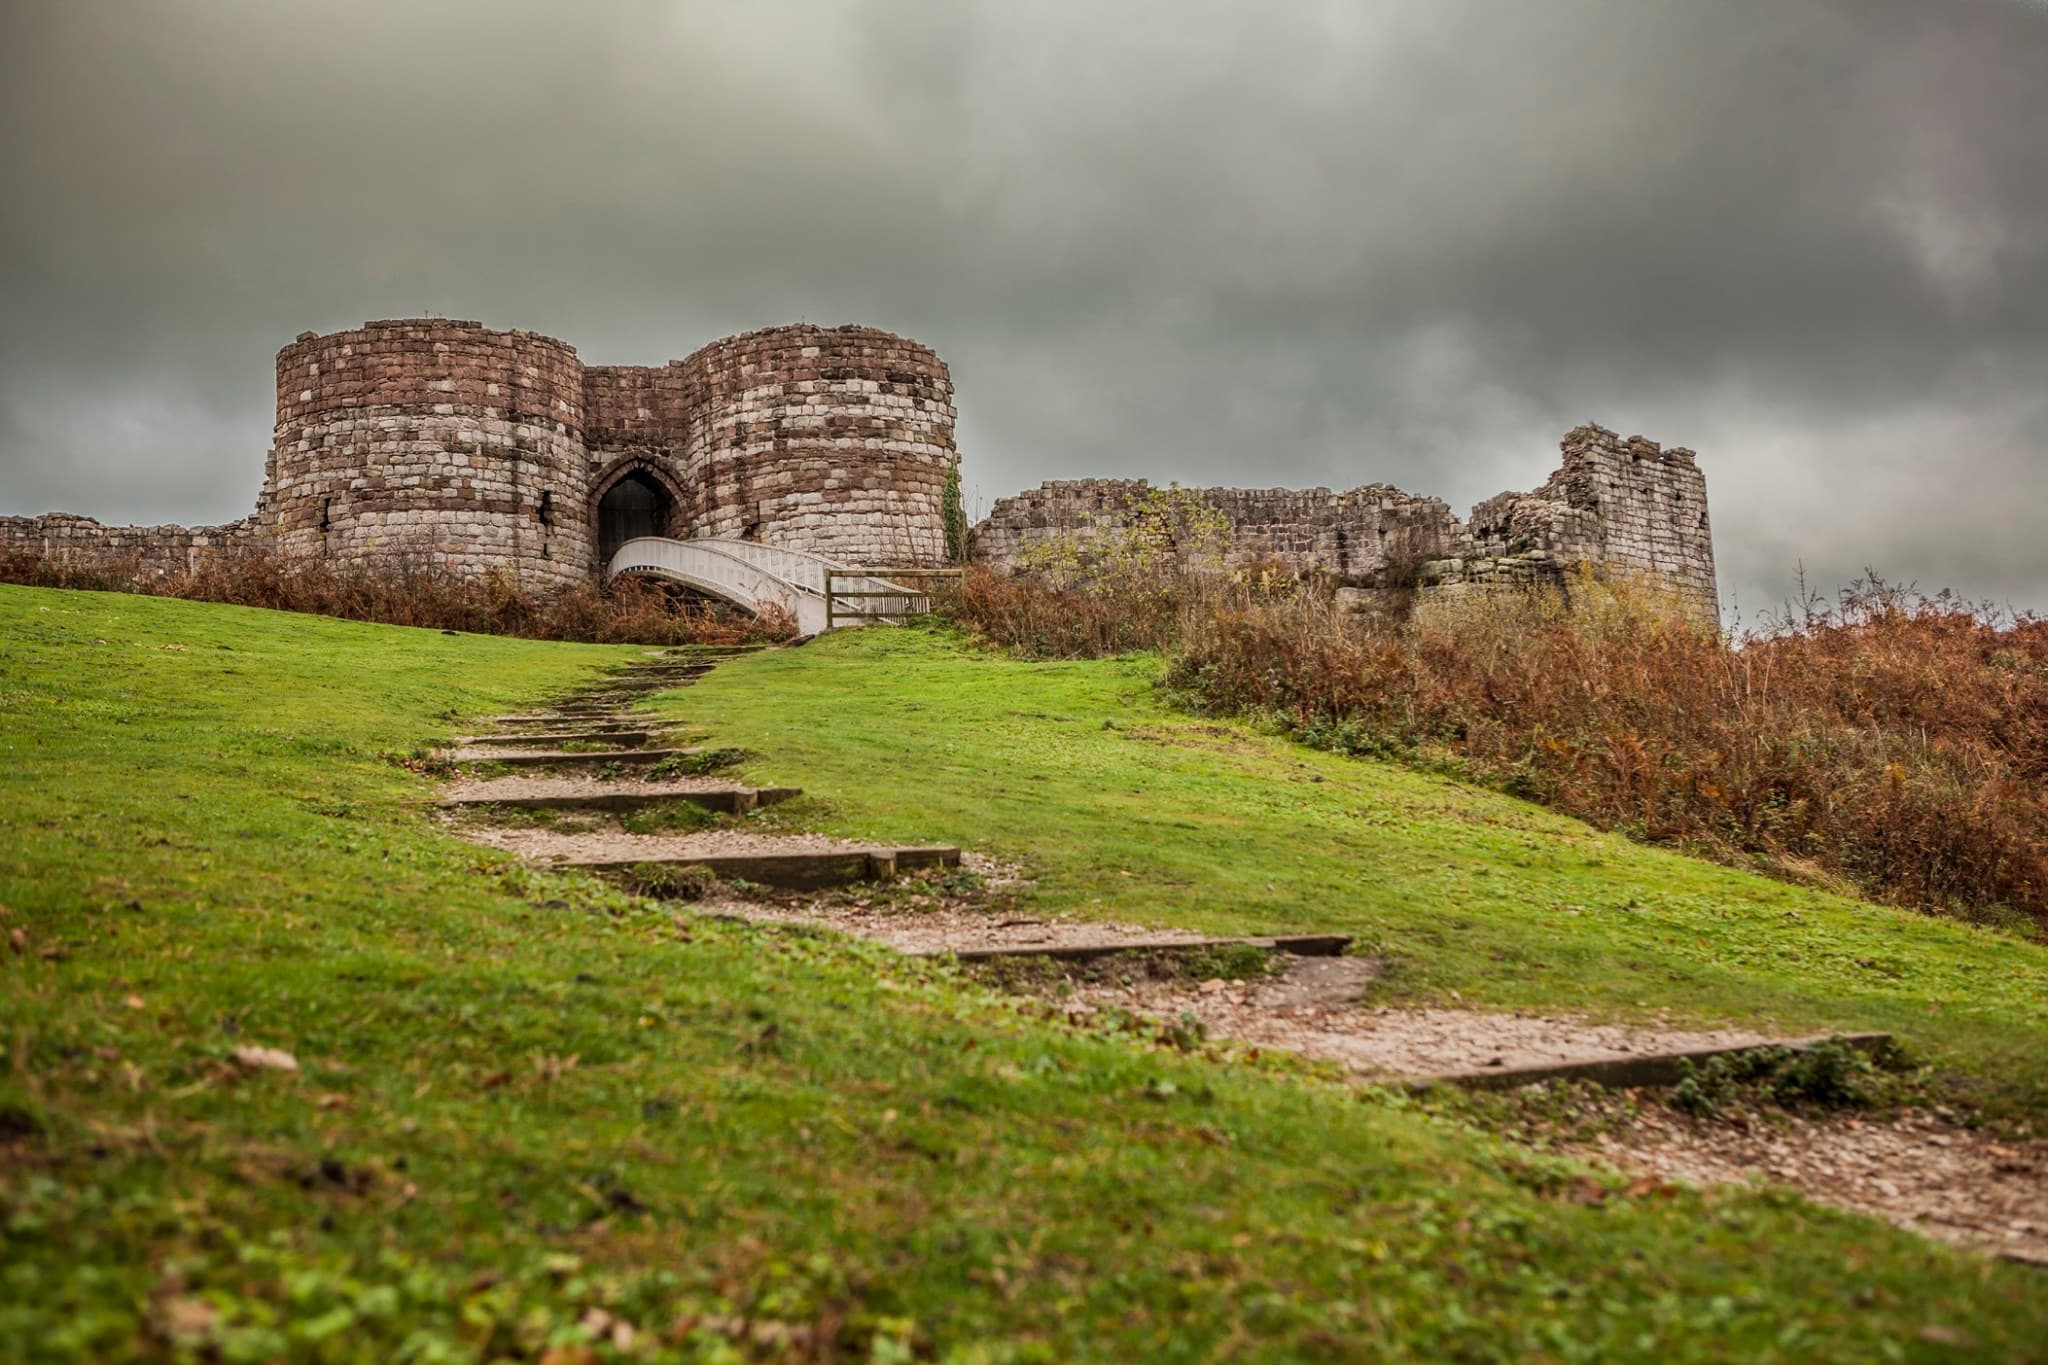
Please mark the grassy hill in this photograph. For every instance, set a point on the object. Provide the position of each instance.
(532, 1115)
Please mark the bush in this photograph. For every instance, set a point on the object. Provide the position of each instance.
(407, 593)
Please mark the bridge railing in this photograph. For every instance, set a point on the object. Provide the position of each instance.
(820, 593)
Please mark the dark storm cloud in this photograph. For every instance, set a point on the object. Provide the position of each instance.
(1294, 243)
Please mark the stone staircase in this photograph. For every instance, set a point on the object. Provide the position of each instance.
(593, 756)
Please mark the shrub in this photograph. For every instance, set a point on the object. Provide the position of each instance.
(402, 592)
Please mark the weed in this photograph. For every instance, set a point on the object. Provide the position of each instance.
(1826, 1075)
(700, 764)
(666, 881)
(668, 817)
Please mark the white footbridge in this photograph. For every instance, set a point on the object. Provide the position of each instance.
(820, 593)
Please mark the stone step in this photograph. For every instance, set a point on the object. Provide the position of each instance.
(655, 682)
(556, 758)
(623, 737)
(1645, 1069)
(1300, 945)
(729, 800)
(799, 870)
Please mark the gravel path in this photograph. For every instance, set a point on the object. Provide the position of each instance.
(945, 927)
(517, 788)
(614, 845)
(1311, 1008)
(1919, 1171)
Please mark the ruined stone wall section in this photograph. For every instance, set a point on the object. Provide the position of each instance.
(1619, 505)
(431, 440)
(1647, 506)
(151, 551)
(1357, 536)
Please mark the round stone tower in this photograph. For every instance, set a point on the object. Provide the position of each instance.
(431, 440)
(837, 440)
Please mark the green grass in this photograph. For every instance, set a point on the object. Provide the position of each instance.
(529, 1108)
(1129, 810)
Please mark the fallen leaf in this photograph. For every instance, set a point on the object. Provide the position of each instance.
(263, 1058)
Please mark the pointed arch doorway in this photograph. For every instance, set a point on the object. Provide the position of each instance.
(636, 504)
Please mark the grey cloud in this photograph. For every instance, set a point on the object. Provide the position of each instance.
(1282, 244)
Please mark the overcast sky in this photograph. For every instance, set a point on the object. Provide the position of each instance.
(1281, 242)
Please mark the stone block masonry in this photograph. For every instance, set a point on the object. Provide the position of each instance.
(148, 551)
(432, 441)
(1619, 506)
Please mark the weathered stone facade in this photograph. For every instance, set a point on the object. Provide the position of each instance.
(1626, 506)
(480, 450)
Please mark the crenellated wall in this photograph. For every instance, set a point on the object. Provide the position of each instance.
(1617, 505)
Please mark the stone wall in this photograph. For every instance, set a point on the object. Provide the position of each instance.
(1359, 536)
(1619, 506)
(150, 551)
(440, 441)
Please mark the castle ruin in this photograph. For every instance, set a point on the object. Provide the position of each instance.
(1617, 506)
(477, 450)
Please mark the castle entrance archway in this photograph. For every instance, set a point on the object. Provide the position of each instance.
(637, 505)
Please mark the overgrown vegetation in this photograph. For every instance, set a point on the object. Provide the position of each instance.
(1890, 742)
(528, 1117)
(1826, 1075)
(629, 610)
(953, 511)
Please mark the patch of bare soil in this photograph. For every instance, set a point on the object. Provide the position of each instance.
(483, 753)
(1917, 1170)
(942, 925)
(612, 844)
(1311, 1007)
